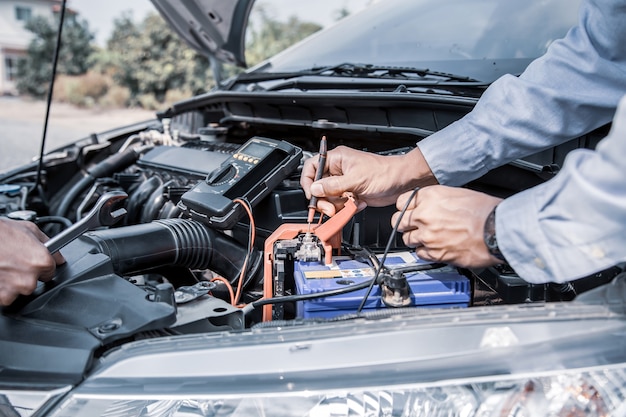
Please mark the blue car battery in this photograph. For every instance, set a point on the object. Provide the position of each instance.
(441, 287)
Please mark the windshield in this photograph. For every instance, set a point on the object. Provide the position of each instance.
(482, 39)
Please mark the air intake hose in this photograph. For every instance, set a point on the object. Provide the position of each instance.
(174, 242)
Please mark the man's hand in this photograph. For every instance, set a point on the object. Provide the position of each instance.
(374, 180)
(23, 259)
(446, 224)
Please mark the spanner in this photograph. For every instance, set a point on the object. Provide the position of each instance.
(104, 213)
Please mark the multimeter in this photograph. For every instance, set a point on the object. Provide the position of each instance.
(254, 170)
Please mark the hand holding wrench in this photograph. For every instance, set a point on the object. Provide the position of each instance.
(104, 213)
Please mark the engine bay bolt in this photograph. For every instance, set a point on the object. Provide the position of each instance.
(165, 293)
(108, 327)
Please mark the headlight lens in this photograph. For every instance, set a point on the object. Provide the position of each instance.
(599, 392)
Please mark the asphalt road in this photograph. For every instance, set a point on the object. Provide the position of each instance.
(21, 126)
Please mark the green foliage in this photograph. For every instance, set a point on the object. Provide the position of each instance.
(271, 36)
(123, 32)
(143, 64)
(35, 70)
(151, 60)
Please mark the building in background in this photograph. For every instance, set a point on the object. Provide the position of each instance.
(14, 39)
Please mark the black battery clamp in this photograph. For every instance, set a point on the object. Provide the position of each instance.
(251, 173)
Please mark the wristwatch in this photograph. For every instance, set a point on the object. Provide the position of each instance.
(489, 235)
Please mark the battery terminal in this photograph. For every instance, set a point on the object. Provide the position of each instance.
(310, 249)
(395, 290)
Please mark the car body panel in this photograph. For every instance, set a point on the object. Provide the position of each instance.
(213, 28)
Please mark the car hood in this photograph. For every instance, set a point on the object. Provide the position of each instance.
(215, 28)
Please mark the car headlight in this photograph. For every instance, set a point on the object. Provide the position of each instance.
(556, 359)
(594, 392)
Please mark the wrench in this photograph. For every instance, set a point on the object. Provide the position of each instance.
(103, 213)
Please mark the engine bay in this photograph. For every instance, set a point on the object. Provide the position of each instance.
(212, 236)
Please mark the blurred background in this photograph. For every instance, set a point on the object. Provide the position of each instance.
(119, 62)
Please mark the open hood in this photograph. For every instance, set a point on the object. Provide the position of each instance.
(215, 28)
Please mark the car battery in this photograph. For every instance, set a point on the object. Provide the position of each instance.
(431, 288)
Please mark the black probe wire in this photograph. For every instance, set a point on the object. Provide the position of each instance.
(381, 265)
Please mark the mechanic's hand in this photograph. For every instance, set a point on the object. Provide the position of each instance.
(375, 180)
(446, 224)
(23, 259)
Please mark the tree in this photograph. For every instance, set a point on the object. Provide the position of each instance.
(151, 60)
(156, 66)
(273, 36)
(35, 70)
(124, 30)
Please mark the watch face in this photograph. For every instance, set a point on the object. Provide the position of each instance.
(489, 236)
(489, 233)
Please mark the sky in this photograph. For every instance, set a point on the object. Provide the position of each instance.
(100, 13)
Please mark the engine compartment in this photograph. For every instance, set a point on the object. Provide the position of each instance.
(167, 269)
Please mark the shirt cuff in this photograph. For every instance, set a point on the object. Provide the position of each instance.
(452, 155)
(516, 220)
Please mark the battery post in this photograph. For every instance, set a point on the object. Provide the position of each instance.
(395, 290)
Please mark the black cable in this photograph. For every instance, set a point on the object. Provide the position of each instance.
(55, 60)
(363, 252)
(338, 291)
(384, 257)
(311, 296)
(54, 219)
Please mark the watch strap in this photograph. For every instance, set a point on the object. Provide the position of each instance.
(490, 238)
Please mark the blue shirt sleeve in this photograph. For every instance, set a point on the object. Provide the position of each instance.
(575, 224)
(571, 90)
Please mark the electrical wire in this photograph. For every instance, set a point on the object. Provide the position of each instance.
(386, 252)
(330, 293)
(338, 291)
(311, 296)
(229, 287)
(251, 237)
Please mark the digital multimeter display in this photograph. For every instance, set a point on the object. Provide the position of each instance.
(250, 173)
(255, 150)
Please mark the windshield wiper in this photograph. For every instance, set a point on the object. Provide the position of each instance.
(358, 71)
(390, 72)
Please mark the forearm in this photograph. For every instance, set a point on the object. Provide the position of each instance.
(575, 224)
